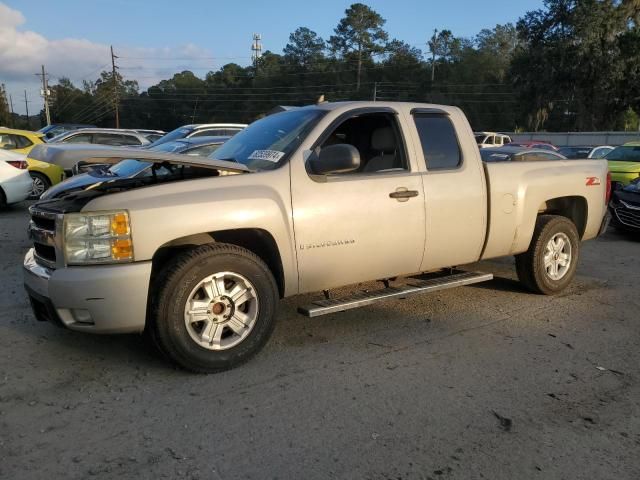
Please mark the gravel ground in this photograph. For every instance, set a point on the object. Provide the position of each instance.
(485, 381)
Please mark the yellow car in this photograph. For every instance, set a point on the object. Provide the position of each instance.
(624, 163)
(44, 175)
(19, 141)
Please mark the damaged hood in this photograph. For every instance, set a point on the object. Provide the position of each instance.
(113, 156)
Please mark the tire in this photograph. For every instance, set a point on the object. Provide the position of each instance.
(530, 266)
(3, 200)
(197, 323)
(40, 185)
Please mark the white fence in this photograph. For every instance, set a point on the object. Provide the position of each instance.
(578, 138)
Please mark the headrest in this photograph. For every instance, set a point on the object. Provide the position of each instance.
(383, 139)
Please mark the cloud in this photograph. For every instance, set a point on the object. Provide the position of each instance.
(22, 52)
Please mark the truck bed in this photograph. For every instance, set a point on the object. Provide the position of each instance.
(519, 191)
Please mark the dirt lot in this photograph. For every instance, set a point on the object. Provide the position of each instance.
(485, 381)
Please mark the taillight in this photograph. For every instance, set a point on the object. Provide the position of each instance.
(607, 194)
(21, 164)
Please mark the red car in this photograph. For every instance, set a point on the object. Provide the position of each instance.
(536, 144)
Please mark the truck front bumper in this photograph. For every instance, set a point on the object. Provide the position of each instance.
(94, 299)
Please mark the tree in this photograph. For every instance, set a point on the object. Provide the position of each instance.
(359, 32)
(571, 70)
(5, 112)
(305, 47)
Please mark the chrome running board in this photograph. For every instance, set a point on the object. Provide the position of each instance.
(413, 287)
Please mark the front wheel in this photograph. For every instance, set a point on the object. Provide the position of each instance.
(214, 309)
(550, 263)
(40, 185)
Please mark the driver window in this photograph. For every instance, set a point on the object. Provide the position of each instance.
(377, 138)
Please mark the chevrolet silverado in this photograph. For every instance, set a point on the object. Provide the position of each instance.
(306, 200)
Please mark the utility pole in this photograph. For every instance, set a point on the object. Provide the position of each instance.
(45, 94)
(433, 55)
(26, 106)
(193, 117)
(11, 104)
(115, 87)
(375, 91)
(256, 51)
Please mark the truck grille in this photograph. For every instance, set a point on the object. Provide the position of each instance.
(43, 229)
(628, 217)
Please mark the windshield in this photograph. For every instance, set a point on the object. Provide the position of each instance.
(168, 146)
(176, 134)
(480, 139)
(128, 168)
(626, 153)
(267, 143)
(490, 155)
(634, 186)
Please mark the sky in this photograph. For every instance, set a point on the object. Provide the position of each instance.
(155, 39)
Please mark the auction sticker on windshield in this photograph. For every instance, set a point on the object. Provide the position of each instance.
(268, 155)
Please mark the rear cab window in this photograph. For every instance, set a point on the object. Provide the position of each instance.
(439, 141)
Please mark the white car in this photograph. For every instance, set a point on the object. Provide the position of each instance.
(491, 139)
(15, 181)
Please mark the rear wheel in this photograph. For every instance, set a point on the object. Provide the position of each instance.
(40, 185)
(550, 263)
(3, 200)
(214, 309)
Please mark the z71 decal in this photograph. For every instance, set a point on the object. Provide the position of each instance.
(592, 181)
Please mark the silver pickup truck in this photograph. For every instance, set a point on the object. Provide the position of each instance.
(306, 200)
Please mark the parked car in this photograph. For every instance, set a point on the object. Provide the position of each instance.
(573, 152)
(625, 207)
(43, 175)
(538, 144)
(600, 152)
(19, 141)
(15, 182)
(302, 201)
(56, 129)
(201, 130)
(103, 136)
(513, 153)
(624, 163)
(85, 174)
(151, 135)
(491, 139)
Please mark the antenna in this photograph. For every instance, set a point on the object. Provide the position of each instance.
(256, 49)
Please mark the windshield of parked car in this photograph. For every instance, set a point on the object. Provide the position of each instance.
(266, 144)
(180, 132)
(493, 155)
(625, 153)
(480, 139)
(128, 168)
(633, 187)
(169, 146)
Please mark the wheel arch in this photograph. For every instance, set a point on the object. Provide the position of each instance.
(256, 240)
(575, 208)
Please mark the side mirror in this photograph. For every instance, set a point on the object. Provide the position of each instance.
(341, 158)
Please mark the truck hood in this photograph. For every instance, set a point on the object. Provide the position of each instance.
(616, 166)
(199, 167)
(113, 156)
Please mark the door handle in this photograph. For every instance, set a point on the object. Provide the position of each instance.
(402, 194)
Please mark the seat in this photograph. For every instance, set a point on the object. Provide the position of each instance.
(383, 140)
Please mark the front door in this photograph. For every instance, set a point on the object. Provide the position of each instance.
(364, 225)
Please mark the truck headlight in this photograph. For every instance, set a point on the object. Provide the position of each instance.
(97, 237)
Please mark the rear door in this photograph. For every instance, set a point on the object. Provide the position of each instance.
(454, 189)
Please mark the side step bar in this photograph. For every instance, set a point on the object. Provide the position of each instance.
(413, 287)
